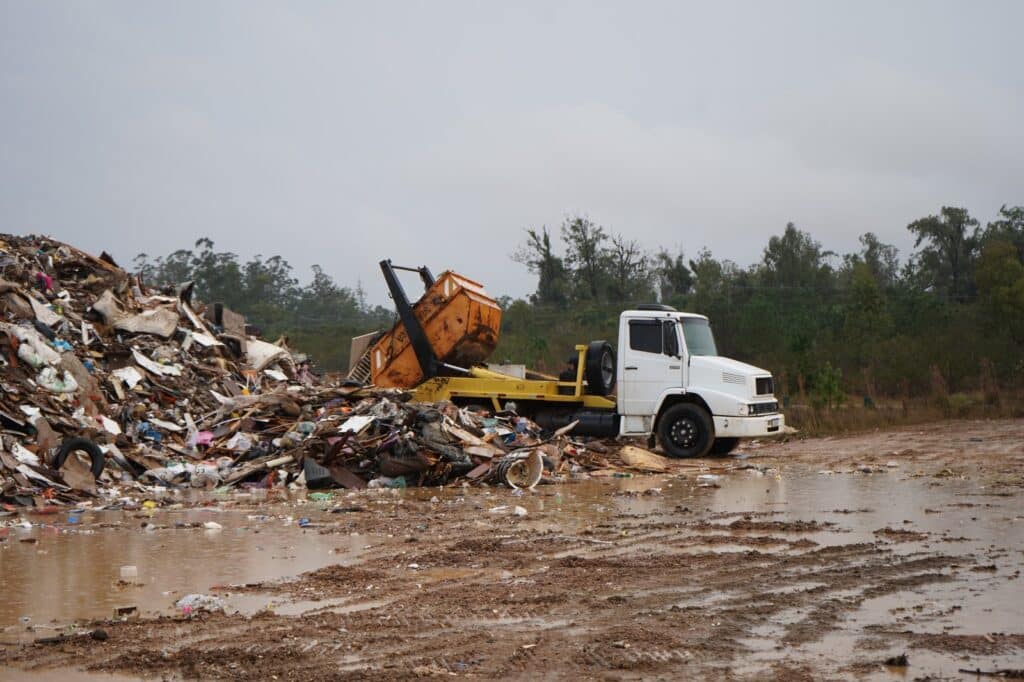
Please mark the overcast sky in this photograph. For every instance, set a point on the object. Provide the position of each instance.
(434, 133)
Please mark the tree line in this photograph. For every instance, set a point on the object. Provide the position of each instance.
(826, 323)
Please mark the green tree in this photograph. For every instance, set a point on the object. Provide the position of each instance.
(538, 255)
(795, 261)
(826, 386)
(173, 269)
(587, 257)
(630, 277)
(881, 259)
(1001, 287)
(217, 275)
(867, 318)
(674, 279)
(1009, 228)
(709, 277)
(951, 242)
(145, 269)
(270, 282)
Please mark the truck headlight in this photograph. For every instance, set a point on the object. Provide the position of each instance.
(743, 409)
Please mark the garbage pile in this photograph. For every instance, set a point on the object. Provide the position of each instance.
(110, 391)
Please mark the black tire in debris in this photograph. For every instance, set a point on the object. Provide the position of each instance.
(600, 370)
(686, 430)
(80, 445)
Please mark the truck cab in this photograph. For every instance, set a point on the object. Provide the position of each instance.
(672, 383)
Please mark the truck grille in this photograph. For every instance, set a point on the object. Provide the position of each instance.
(764, 408)
(765, 386)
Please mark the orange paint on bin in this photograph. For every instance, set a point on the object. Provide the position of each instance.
(461, 323)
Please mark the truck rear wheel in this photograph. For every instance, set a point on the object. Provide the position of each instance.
(600, 369)
(686, 430)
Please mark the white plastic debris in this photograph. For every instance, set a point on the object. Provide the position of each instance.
(49, 379)
(165, 425)
(276, 375)
(156, 367)
(23, 454)
(32, 348)
(110, 425)
(129, 375)
(200, 602)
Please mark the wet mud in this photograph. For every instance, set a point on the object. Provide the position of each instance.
(815, 559)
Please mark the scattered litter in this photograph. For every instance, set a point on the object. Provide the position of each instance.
(191, 603)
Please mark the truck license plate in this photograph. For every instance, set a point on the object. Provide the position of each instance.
(773, 423)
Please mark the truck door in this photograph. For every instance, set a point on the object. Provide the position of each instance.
(651, 363)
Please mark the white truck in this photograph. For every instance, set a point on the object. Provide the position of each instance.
(672, 383)
(673, 386)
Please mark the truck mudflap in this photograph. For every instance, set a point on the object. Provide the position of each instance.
(749, 427)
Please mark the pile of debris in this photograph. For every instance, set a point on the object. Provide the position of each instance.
(110, 390)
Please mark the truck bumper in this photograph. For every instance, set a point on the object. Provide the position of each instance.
(749, 427)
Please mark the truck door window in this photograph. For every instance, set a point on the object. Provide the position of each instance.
(645, 335)
(671, 338)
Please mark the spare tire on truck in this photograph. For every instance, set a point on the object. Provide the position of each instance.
(600, 369)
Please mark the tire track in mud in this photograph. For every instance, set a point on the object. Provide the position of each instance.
(607, 607)
(672, 592)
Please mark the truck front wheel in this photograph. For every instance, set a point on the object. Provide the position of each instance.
(686, 430)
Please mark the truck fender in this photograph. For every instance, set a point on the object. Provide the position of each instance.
(713, 401)
(672, 396)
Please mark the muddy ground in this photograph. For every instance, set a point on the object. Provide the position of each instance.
(811, 559)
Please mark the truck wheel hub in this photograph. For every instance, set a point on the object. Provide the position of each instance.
(683, 433)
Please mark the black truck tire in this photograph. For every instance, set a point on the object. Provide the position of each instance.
(686, 430)
(80, 445)
(600, 369)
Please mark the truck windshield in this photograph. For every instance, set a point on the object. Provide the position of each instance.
(699, 339)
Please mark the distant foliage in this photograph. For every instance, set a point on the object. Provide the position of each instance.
(319, 318)
(862, 323)
(854, 323)
(827, 387)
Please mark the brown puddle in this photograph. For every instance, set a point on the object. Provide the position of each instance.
(64, 675)
(774, 519)
(73, 571)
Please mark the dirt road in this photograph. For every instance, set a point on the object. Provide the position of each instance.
(816, 559)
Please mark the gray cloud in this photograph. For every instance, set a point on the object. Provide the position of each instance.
(433, 133)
